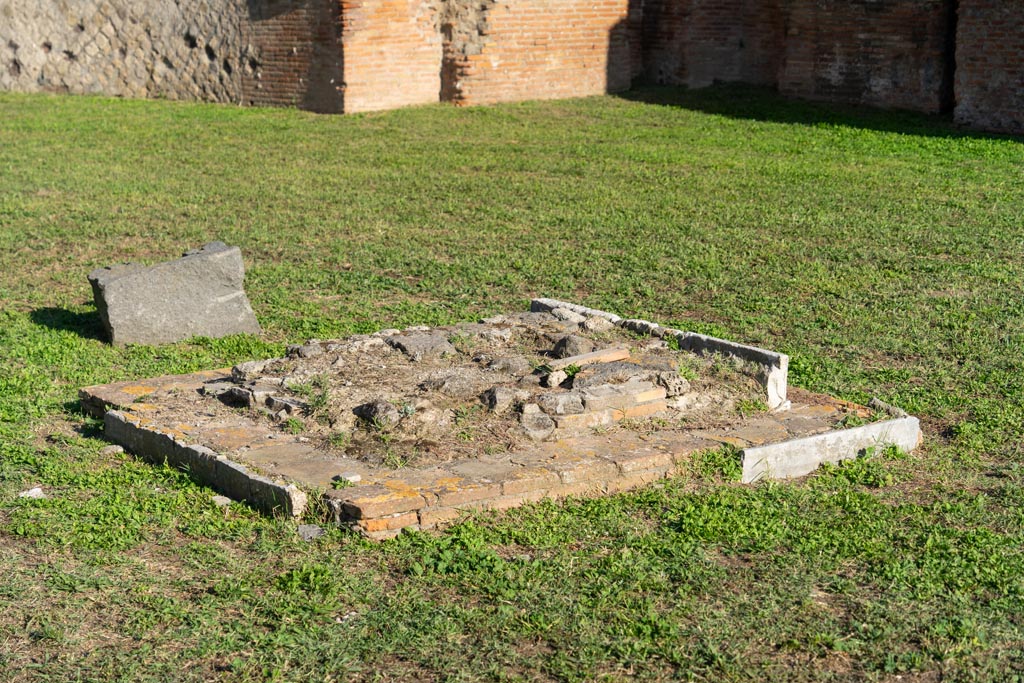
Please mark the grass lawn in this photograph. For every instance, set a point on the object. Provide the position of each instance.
(883, 252)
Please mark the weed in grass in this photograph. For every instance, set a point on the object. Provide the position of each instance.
(724, 462)
(868, 469)
(751, 406)
(395, 460)
(315, 393)
(339, 440)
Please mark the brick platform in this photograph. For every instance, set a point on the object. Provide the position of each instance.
(258, 462)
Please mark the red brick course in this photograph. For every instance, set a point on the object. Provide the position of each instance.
(888, 53)
(990, 65)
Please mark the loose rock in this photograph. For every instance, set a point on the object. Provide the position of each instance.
(498, 399)
(310, 532)
(565, 403)
(305, 350)
(513, 365)
(554, 379)
(248, 371)
(199, 294)
(535, 423)
(595, 324)
(380, 413)
(573, 345)
(674, 384)
(420, 346)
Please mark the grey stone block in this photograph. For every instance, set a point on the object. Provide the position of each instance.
(199, 294)
(797, 457)
(548, 305)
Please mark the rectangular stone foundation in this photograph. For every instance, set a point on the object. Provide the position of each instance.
(275, 471)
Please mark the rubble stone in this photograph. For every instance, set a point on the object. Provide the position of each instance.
(572, 345)
(419, 346)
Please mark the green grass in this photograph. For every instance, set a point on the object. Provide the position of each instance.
(881, 251)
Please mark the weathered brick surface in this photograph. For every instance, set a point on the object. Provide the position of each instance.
(298, 58)
(698, 42)
(990, 65)
(635, 480)
(392, 53)
(889, 53)
(358, 55)
(541, 49)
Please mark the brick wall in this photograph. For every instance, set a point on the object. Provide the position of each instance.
(892, 53)
(298, 56)
(698, 42)
(540, 49)
(990, 65)
(888, 53)
(357, 55)
(392, 53)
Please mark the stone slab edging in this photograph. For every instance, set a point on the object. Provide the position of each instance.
(775, 365)
(798, 457)
(204, 465)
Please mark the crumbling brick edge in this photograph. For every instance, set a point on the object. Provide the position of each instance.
(382, 511)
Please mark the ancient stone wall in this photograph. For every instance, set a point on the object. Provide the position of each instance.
(359, 55)
(990, 65)
(280, 52)
(125, 48)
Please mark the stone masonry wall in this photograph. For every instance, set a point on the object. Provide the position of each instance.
(990, 65)
(125, 48)
(887, 53)
(280, 52)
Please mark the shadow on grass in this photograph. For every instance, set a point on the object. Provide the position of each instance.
(737, 101)
(86, 325)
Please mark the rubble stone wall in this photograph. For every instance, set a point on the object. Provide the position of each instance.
(990, 65)
(280, 52)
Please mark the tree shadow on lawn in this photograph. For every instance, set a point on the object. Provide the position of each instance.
(86, 325)
(757, 103)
